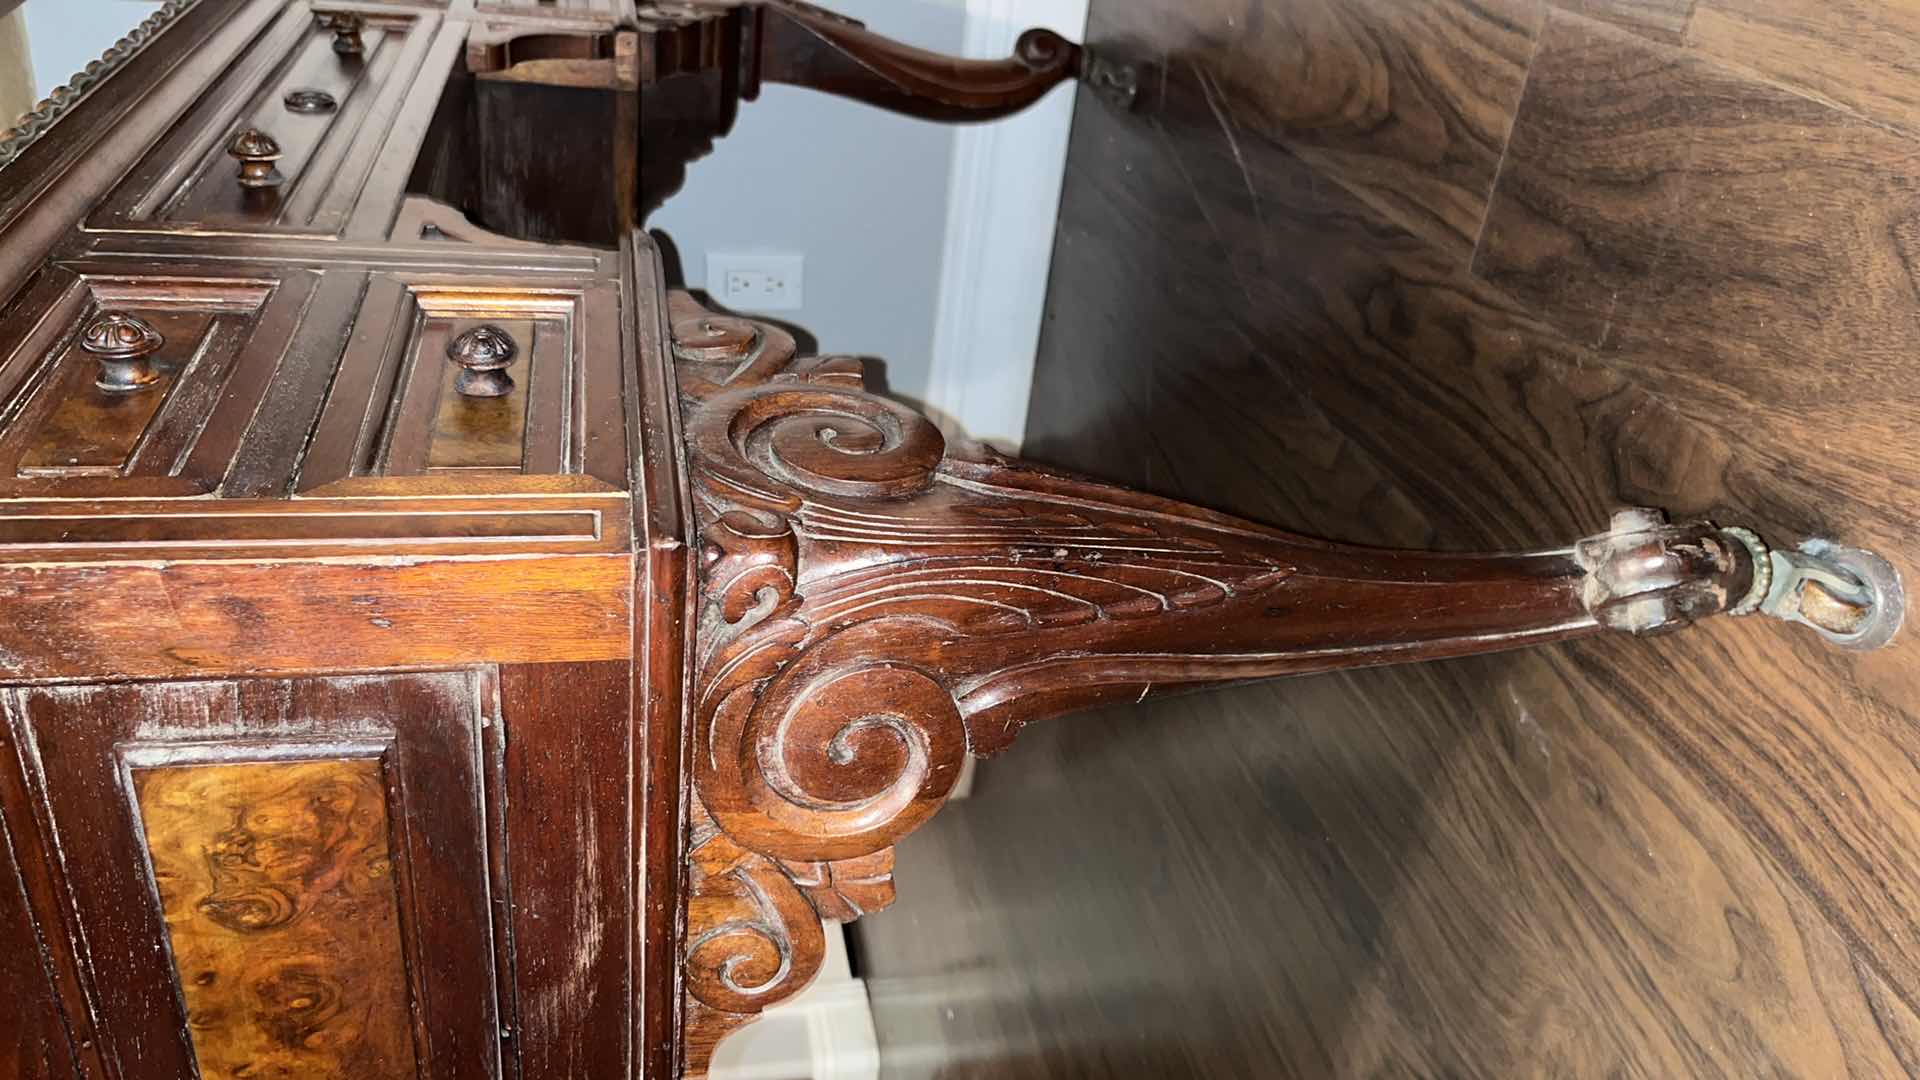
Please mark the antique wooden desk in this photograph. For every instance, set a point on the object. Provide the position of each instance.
(431, 647)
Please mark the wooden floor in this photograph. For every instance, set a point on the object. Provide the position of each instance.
(1460, 273)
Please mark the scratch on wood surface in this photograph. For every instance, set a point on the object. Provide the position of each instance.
(1216, 101)
(572, 994)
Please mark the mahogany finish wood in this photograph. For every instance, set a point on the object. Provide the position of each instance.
(698, 62)
(429, 646)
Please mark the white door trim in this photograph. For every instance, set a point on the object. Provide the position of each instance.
(1003, 205)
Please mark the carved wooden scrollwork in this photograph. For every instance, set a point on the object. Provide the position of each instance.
(808, 46)
(752, 935)
(753, 938)
(876, 605)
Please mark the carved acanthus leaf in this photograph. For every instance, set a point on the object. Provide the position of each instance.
(844, 891)
(839, 529)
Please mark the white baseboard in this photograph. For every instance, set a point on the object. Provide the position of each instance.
(1002, 208)
(824, 1033)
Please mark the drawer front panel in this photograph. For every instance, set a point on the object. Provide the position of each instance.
(322, 97)
(410, 400)
(141, 384)
(275, 877)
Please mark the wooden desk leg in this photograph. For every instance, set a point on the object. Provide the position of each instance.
(877, 604)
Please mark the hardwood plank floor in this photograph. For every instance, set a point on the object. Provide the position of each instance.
(1693, 856)
(1858, 53)
(1743, 252)
(1407, 102)
(1662, 20)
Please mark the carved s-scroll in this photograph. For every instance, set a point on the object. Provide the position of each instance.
(772, 432)
(845, 890)
(752, 937)
(839, 753)
(782, 443)
(749, 558)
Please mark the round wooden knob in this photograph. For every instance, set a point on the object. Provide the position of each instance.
(124, 344)
(346, 27)
(256, 151)
(484, 353)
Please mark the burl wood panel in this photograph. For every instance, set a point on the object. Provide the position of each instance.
(276, 880)
(267, 804)
(94, 431)
(483, 432)
(230, 349)
(1689, 858)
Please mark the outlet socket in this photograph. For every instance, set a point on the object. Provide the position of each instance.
(748, 281)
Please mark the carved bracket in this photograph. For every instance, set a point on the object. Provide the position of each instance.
(804, 45)
(876, 605)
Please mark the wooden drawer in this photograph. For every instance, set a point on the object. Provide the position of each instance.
(398, 408)
(267, 877)
(342, 106)
(196, 356)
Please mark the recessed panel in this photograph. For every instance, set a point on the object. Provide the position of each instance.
(276, 881)
(463, 377)
(295, 135)
(479, 432)
(310, 112)
(138, 385)
(93, 431)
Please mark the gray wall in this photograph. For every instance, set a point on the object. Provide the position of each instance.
(67, 35)
(860, 192)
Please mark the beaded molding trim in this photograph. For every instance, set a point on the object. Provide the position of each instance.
(37, 120)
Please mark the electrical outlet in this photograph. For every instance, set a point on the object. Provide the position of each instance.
(756, 282)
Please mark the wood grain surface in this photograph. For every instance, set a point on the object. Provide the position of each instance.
(276, 882)
(567, 762)
(241, 822)
(181, 619)
(1686, 285)
(33, 1036)
(1407, 102)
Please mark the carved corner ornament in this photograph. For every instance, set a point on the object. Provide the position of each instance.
(876, 604)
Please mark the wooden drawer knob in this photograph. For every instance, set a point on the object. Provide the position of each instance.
(124, 344)
(346, 27)
(484, 352)
(256, 151)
